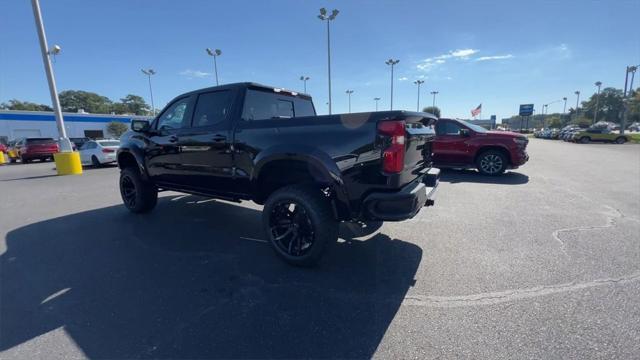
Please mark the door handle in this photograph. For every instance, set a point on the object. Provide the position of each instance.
(219, 138)
(172, 138)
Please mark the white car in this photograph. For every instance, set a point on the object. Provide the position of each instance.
(99, 152)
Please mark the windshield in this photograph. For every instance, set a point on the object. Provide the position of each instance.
(40, 141)
(109, 143)
(474, 127)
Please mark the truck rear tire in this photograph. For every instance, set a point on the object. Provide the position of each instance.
(299, 224)
(138, 196)
(491, 162)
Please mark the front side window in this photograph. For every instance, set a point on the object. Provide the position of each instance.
(174, 117)
(212, 108)
(447, 128)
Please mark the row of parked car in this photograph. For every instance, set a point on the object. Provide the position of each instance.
(599, 132)
(96, 152)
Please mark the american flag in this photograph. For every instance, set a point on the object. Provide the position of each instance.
(476, 111)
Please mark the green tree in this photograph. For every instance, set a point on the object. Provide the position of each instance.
(117, 128)
(609, 106)
(15, 104)
(73, 100)
(432, 110)
(134, 104)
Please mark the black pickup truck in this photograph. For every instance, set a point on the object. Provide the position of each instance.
(247, 141)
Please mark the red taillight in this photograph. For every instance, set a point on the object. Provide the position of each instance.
(106, 151)
(393, 155)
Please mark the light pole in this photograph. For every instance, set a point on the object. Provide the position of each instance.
(392, 63)
(595, 114)
(434, 93)
(65, 144)
(545, 108)
(418, 82)
(215, 53)
(304, 80)
(328, 18)
(349, 92)
(150, 72)
(577, 103)
(564, 109)
(627, 91)
(376, 99)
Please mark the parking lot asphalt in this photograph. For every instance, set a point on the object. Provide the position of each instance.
(543, 262)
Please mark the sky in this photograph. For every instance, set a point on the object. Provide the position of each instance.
(498, 53)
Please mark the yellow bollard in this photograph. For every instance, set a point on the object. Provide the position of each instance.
(2, 159)
(68, 163)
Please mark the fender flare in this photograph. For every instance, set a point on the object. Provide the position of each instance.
(319, 161)
(138, 155)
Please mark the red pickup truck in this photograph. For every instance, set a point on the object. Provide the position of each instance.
(459, 144)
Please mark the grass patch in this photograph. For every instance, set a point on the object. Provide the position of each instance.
(635, 138)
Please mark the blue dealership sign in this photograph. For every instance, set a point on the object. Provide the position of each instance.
(526, 109)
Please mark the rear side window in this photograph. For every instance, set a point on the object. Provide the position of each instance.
(40, 141)
(262, 105)
(212, 108)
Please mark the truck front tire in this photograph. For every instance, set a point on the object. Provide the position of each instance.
(138, 196)
(299, 224)
(491, 162)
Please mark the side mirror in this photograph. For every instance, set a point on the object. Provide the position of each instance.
(464, 132)
(140, 125)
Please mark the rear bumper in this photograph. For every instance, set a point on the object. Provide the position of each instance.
(37, 155)
(403, 204)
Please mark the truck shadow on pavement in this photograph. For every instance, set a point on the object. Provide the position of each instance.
(472, 176)
(190, 281)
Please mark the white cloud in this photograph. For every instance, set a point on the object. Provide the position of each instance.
(404, 78)
(463, 53)
(190, 74)
(495, 57)
(429, 64)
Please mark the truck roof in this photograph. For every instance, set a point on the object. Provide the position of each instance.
(244, 85)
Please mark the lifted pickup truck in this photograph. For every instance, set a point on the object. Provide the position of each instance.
(252, 142)
(460, 144)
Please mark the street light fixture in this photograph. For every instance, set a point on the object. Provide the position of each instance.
(376, 99)
(577, 92)
(150, 72)
(349, 92)
(304, 80)
(434, 93)
(418, 82)
(393, 63)
(328, 18)
(215, 53)
(595, 114)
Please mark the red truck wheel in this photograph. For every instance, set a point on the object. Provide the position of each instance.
(491, 162)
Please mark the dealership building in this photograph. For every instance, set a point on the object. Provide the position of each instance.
(17, 124)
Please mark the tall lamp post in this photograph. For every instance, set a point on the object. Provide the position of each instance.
(577, 103)
(434, 93)
(392, 63)
(418, 82)
(349, 92)
(376, 99)
(304, 81)
(564, 109)
(328, 18)
(65, 143)
(595, 114)
(545, 109)
(150, 72)
(215, 53)
(627, 91)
